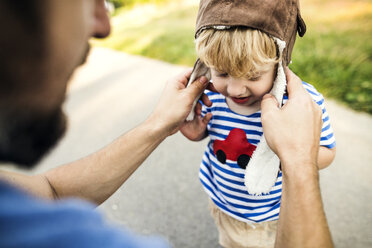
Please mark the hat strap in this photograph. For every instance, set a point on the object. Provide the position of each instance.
(262, 170)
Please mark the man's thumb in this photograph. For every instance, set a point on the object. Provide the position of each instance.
(268, 103)
(198, 86)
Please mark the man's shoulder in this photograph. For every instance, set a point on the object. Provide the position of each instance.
(19, 202)
(26, 221)
(29, 221)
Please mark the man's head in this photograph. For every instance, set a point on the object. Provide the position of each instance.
(42, 43)
(243, 62)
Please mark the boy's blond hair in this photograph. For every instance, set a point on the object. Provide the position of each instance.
(240, 52)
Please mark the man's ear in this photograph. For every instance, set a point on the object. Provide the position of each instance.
(200, 69)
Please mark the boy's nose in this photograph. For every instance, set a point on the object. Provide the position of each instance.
(236, 89)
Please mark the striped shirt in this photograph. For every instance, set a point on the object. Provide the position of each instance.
(224, 182)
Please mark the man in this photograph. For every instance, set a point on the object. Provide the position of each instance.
(42, 43)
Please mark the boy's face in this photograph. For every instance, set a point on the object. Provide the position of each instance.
(244, 91)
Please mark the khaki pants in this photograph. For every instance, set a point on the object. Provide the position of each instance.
(238, 234)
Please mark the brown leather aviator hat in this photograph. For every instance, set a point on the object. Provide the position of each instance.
(278, 18)
(281, 20)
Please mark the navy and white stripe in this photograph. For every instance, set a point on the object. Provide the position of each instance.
(327, 138)
(224, 183)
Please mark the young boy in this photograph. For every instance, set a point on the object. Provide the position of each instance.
(245, 61)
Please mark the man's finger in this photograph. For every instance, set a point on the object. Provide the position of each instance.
(268, 103)
(198, 86)
(294, 84)
(184, 76)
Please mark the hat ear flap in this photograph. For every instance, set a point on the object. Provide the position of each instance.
(280, 81)
(262, 170)
(200, 69)
(301, 26)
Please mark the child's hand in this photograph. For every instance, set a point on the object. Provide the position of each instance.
(195, 129)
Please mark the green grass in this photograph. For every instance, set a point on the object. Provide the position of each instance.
(335, 55)
(162, 31)
(131, 3)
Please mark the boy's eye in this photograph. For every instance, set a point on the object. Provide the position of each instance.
(255, 78)
(224, 74)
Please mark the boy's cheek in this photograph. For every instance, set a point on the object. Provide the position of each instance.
(219, 86)
(220, 90)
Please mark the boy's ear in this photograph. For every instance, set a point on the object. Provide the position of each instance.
(200, 69)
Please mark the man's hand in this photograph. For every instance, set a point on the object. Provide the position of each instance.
(293, 132)
(176, 102)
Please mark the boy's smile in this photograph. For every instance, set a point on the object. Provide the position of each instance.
(240, 100)
(243, 94)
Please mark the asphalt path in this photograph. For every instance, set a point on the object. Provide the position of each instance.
(114, 92)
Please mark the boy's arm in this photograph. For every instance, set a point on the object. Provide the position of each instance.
(325, 157)
(327, 150)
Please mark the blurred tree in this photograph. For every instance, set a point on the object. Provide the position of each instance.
(117, 3)
(126, 3)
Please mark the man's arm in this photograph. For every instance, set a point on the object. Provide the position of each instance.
(98, 176)
(293, 133)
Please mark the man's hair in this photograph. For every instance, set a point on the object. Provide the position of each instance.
(240, 52)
